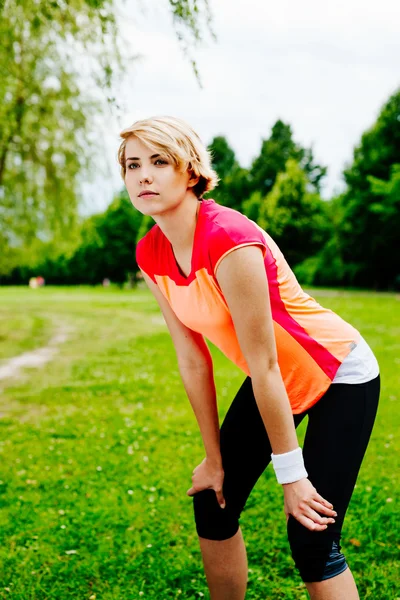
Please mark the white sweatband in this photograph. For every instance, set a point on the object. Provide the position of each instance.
(289, 467)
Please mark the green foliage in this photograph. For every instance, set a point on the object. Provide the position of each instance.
(10, 257)
(117, 229)
(272, 160)
(188, 17)
(294, 217)
(379, 148)
(327, 267)
(389, 194)
(365, 219)
(44, 117)
(315, 173)
(306, 271)
(371, 204)
(107, 249)
(104, 248)
(251, 207)
(223, 156)
(275, 152)
(55, 58)
(234, 185)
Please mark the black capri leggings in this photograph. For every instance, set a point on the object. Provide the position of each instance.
(338, 431)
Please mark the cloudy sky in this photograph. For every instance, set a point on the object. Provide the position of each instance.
(324, 68)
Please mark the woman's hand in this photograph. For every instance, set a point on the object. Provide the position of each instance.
(208, 475)
(304, 503)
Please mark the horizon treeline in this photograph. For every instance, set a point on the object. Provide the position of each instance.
(350, 240)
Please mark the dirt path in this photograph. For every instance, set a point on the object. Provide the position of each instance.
(35, 358)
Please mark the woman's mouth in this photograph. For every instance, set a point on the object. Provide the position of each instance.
(147, 194)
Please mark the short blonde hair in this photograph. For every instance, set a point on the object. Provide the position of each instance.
(179, 143)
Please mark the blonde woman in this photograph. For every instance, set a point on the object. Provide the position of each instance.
(218, 275)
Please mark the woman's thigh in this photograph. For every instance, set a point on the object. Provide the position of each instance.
(337, 435)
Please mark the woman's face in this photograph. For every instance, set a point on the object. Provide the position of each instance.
(148, 169)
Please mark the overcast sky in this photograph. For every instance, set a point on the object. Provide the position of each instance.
(324, 68)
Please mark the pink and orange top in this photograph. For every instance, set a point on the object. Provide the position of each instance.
(311, 341)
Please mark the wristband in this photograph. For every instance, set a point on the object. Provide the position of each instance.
(289, 467)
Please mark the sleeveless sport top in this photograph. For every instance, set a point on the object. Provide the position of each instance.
(312, 342)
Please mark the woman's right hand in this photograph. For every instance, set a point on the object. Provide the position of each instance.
(304, 503)
(208, 475)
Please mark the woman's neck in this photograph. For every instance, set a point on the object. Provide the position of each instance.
(179, 224)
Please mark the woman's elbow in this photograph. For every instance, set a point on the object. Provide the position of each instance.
(199, 359)
(262, 364)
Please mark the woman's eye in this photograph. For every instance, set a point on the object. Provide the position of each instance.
(160, 161)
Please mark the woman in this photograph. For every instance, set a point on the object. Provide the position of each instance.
(218, 275)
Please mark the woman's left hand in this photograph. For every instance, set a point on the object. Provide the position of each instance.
(208, 475)
(304, 503)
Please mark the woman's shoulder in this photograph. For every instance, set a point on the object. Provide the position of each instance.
(226, 229)
(225, 219)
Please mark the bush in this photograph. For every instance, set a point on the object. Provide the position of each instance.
(306, 270)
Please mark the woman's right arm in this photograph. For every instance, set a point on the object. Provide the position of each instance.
(196, 370)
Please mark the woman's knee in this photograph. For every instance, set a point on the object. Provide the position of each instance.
(317, 554)
(212, 521)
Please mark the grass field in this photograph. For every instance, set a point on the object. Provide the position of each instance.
(98, 446)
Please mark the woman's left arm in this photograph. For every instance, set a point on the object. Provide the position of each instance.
(242, 279)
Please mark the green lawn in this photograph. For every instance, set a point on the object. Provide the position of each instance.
(21, 331)
(98, 448)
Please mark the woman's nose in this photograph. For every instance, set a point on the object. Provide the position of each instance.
(145, 178)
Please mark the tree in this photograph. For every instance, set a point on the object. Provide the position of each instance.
(389, 192)
(370, 204)
(106, 249)
(47, 99)
(326, 266)
(294, 217)
(252, 206)
(118, 229)
(275, 151)
(43, 113)
(387, 214)
(223, 156)
(233, 186)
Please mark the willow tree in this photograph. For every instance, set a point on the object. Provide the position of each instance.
(59, 61)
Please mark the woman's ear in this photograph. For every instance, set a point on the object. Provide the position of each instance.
(193, 179)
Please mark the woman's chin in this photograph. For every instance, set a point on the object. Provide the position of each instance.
(148, 208)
